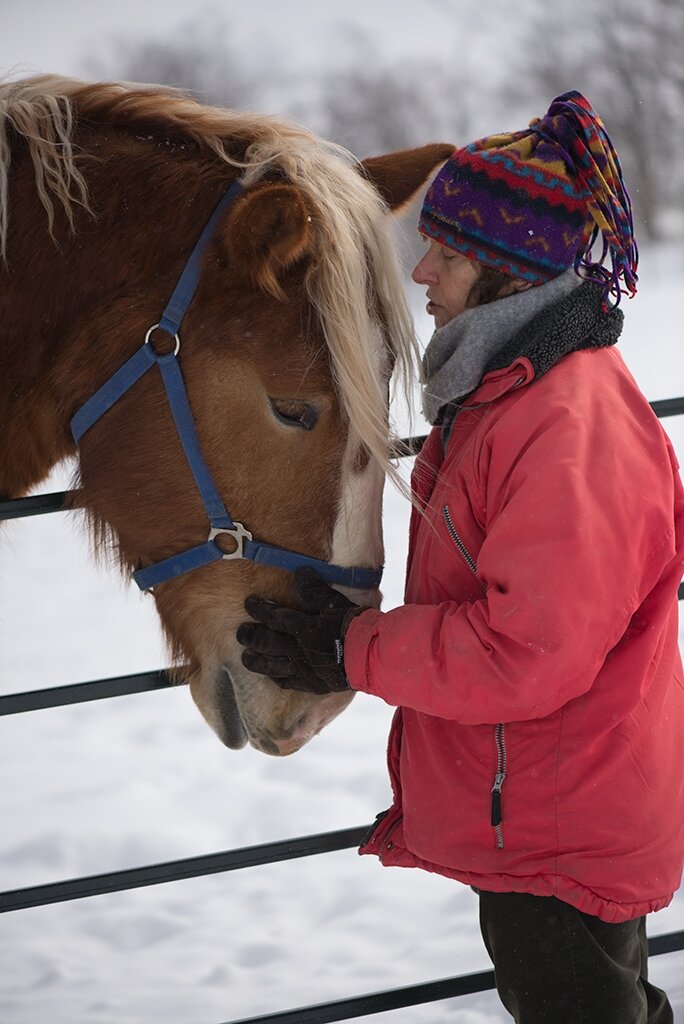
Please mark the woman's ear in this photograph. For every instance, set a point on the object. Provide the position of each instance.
(266, 232)
(514, 286)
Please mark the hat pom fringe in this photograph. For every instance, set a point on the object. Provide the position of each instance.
(576, 127)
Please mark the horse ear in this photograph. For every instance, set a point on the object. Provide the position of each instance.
(398, 176)
(267, 231)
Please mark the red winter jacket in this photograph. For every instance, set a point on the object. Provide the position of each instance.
(539, 741)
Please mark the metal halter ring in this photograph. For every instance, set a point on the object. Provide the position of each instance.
(239, 535)
(175, 337)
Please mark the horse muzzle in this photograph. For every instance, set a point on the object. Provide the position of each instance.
(242, 708)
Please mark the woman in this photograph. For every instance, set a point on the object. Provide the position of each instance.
(535, 752)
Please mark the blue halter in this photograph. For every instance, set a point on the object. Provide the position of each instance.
(219, 518)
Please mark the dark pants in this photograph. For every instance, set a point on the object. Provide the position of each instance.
(555, 964)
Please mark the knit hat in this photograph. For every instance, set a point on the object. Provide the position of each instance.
(532, 203)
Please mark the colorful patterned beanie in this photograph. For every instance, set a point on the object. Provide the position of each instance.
(532, 203)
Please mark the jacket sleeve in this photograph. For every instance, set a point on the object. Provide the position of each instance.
(578, 504)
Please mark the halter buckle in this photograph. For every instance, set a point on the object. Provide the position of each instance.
(239, 535)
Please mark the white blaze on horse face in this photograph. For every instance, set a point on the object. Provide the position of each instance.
(357, 535)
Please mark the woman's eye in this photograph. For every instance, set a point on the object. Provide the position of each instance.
(294, 413)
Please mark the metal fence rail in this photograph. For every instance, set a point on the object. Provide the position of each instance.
(77, 693)
(304, 846)
(175, 870)
(40, 504)
(414, 995)
(377, 1002)
(231, 860)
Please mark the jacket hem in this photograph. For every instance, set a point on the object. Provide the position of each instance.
(583, 898)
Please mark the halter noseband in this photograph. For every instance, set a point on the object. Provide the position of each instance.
(219, 518)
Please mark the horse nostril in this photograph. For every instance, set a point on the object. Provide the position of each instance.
(300, 724)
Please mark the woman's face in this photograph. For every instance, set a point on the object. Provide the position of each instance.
(449, 276)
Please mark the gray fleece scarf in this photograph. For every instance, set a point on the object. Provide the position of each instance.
(458, 353)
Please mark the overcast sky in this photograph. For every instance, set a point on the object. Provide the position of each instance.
(60, 35)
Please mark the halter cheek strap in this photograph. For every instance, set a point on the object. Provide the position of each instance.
(220, 521)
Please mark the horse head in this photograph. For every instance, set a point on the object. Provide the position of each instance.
(286, 352)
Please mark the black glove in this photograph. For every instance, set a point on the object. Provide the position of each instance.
(300, 650)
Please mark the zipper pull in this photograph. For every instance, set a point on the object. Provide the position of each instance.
(497, 816)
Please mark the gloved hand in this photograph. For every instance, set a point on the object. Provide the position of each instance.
(300, 650)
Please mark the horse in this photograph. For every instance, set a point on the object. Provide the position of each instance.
(294, 323)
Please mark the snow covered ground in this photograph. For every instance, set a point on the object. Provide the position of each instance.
(134, 780)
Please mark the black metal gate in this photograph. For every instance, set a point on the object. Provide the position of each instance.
(232, 860)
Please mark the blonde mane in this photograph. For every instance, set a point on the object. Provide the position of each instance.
(354, 284)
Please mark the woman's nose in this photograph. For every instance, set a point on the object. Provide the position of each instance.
(423, 272)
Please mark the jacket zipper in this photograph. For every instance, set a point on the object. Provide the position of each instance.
(469, 560)
(499, 779)
(500, 729)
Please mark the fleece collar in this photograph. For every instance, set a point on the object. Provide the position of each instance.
(459, 353)
(574, 322)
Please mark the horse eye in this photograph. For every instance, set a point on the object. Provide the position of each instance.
(294, 413)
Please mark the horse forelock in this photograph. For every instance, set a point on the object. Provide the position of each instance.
(354, 283)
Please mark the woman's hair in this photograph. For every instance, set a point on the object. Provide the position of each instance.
(487, 287)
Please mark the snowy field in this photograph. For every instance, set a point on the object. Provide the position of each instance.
(134, 780)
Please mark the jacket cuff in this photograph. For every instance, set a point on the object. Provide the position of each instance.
(360, 633)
